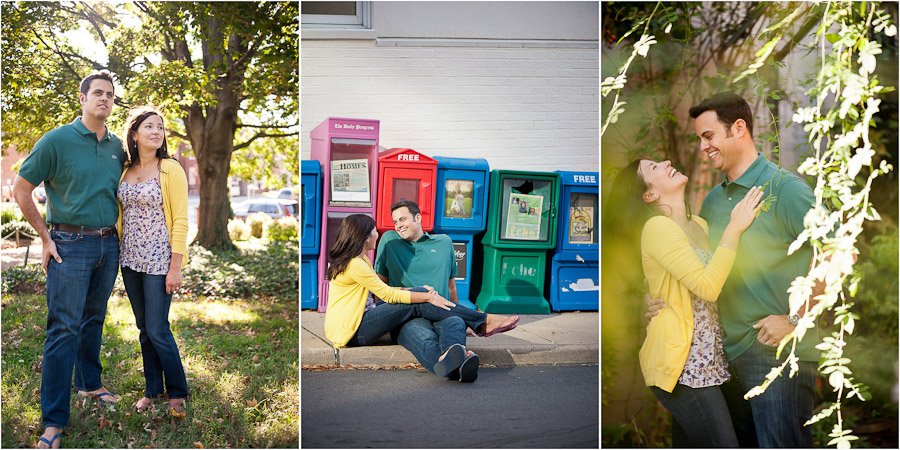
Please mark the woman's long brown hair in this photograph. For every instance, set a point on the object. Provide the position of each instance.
(351, 241)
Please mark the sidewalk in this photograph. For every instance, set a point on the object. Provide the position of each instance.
(15, 257)
(561, 338)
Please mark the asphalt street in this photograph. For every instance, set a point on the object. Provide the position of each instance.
(507, 407)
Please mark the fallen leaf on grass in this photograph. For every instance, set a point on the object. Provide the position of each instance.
(220, 420)
(255, 358)
(198, 445)
(252, 403)
(104, 423)
(329, 367)
(197, 421)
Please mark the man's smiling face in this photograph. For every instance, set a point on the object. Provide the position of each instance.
(407, 226)
(715, 141)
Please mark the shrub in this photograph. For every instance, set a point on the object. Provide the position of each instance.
(13, 225)
(257, 221)
(283, 229)
(9, 213)
(238, 230)
(29, 279)
(244, 274)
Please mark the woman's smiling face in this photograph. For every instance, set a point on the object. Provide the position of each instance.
(661, 177)
(150, 133)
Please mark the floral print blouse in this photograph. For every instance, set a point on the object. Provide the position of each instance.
(145, 239)
(706, 364)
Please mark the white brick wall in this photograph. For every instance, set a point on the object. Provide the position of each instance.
(520, 108)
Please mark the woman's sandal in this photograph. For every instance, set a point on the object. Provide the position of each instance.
(141, 407)
(177, 409)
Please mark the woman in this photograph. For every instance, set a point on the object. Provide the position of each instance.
(153, 226)
(349, 322)
(682, 358)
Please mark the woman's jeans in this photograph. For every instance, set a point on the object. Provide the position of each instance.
(150, 303)
(77, 292)
(701, 413)
(383, 318)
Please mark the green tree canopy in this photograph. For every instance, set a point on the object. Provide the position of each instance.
(224, 73)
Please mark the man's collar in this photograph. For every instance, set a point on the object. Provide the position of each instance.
(749, 177)
(424, 235)
(83, 130)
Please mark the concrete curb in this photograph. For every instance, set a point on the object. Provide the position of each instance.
(554, 339)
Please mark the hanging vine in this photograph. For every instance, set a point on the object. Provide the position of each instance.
(842, 163)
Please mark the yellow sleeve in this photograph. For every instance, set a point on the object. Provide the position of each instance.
(665, 242)
(364, 275)
(178, 201)
(119, 220)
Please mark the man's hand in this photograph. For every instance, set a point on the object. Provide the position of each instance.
(48, 249)
(773, 329)
(653, 306)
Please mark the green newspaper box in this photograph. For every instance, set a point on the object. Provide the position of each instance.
(522, 221)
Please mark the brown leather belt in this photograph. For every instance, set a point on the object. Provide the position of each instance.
(87, 231)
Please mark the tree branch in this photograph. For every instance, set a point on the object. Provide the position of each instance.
(243, 125)
(260, 135)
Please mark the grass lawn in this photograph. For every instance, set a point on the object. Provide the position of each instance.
(241, 360)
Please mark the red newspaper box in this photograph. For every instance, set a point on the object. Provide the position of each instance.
(405, 174)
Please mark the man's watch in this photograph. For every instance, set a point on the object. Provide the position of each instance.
(794, 319)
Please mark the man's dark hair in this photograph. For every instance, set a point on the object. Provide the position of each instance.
(729, 107)
(410, 205)
(101, 75)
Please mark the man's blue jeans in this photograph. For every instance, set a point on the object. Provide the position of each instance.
(424, 338)
(77, 292)
(150, 303)
(778, 414)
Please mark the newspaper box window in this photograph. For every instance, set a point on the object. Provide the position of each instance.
(347, 150)
(522, 226)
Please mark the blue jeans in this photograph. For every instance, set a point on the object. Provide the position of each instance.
(778, 415)
(150, 303)
(701, 415)
(426, 340)
(383, 318)
(77, 292)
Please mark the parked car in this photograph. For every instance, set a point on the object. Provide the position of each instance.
(39, 194)
(285, 194)
(274, 208)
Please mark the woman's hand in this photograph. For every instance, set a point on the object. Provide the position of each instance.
(440, 302)
(173, 281)
(746, 210)
(428, 289)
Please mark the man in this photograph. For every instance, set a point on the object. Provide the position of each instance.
(80, 165)
(409, 257)
(754, 304)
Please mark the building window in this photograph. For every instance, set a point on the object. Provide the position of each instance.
(334, 14)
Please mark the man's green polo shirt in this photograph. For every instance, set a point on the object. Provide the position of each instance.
(763, 271)
(80, 174)
(429, 260)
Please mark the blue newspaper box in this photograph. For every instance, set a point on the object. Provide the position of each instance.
(460, 212)
(310, 229)
(575, 266)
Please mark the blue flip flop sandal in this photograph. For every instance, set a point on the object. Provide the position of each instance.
(454, 358)
(468, 371)
(50, 442)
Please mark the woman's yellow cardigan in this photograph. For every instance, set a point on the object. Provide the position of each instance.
(173, 182)
(347, 294)
(674, 271)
